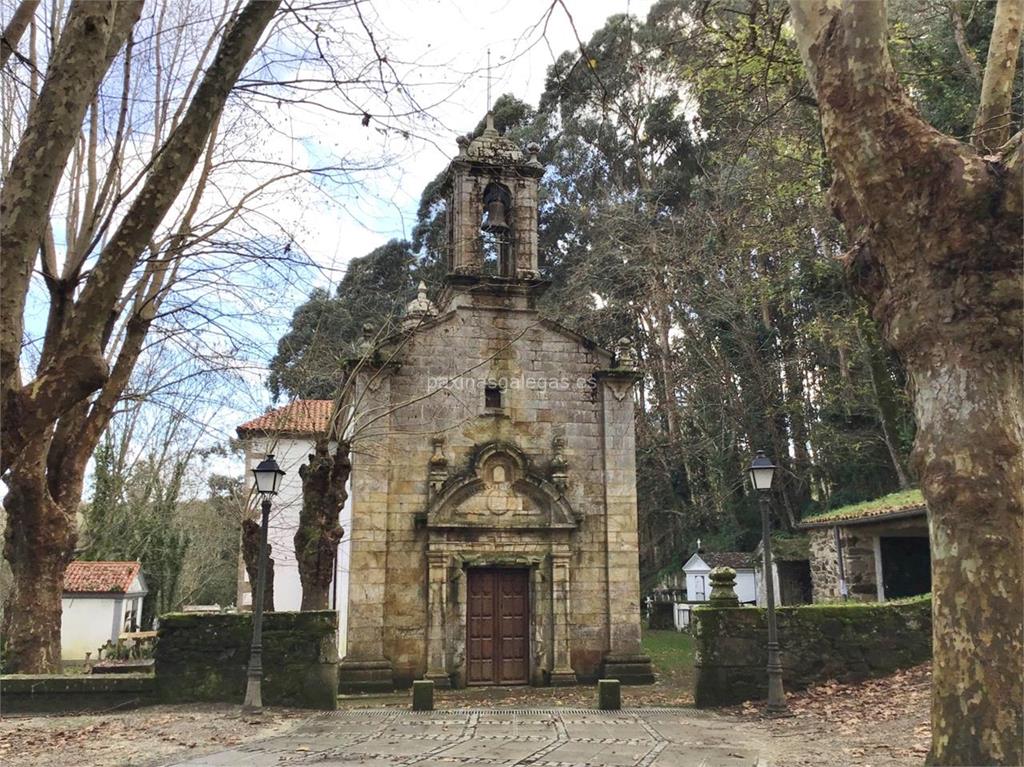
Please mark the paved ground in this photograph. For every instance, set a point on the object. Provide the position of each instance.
(563, 737)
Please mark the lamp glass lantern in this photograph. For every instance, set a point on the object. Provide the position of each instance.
(268, 476)
(762, 471)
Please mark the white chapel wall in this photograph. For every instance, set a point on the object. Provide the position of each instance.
(284, 519)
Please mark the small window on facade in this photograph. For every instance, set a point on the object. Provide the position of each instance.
(492, 396)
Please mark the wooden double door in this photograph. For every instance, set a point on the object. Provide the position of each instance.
(498, 626)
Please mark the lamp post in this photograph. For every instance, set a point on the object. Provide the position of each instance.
(268, 481)
(762, 471)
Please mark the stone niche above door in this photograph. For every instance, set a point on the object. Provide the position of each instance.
(500, 488)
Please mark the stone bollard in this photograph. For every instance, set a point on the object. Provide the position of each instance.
(423, 695)
(723, 588)
(609, 694)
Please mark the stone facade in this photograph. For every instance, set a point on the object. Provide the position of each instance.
(861, 559)
(488, 437)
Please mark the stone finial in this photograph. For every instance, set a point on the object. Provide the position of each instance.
(366, 346)
(463, 143)
(533, 150)
(625, 356)
(559, 465)
(419, 309)
(489, 129)
(723, 587)
(438, 465)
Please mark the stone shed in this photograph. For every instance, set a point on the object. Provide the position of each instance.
(871, 551)
(494, 519)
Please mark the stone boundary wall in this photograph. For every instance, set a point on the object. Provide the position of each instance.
(205, 658)
(70, 693)
(818, 642)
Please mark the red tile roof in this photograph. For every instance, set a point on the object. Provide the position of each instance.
(100, 577)
(303, 416)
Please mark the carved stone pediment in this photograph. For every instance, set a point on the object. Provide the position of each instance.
(500, 489)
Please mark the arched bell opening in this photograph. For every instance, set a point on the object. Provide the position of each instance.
(496, 230)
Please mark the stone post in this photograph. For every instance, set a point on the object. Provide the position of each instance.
(422, 695)
(723, 588)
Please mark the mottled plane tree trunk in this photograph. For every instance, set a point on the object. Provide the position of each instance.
(52, 423)
(935, 227)
(324, 479)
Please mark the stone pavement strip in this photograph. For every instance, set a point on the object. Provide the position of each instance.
(557, 737)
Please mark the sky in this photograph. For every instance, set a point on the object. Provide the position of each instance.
(443, 46)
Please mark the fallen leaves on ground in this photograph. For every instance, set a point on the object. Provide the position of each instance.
(877, 721)
(130, 737)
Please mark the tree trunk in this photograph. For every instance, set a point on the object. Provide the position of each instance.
(39, 541)
(936, 229)
(969, 403)
(49, 425)
(93, 33)
(885, 404)
(318, 534)
(251, 557)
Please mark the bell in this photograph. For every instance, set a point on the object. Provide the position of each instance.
(495, 218)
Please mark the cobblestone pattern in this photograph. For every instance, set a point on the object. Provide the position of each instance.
(505, 738)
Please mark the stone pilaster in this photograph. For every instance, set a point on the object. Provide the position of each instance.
(561, 672)
(624, 659)
(365, 667)
(437, 639)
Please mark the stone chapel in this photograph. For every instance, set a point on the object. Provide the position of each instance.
(493, 489)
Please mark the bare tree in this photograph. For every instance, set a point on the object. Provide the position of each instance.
(51, 423)
(936, 230)
(134, 140)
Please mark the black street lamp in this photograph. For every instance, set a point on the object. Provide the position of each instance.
(762, 471)
(268, 481)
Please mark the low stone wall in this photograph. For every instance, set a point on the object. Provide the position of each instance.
(70, 693)
(818, 642)
(205, 658)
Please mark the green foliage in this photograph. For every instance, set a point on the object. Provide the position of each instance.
(327, 330)
(134, 515)
(210, 570)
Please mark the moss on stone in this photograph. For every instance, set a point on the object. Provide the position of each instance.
(905, 499)
(818, 642)
(205, 658)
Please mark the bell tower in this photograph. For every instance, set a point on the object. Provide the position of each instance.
(492, 211)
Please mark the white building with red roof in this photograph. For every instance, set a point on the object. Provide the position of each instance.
(290, 433)
(100, 601)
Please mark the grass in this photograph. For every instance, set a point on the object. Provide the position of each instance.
(891, 502)
(671, 652)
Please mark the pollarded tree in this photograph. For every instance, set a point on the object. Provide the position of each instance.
(935, 227)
